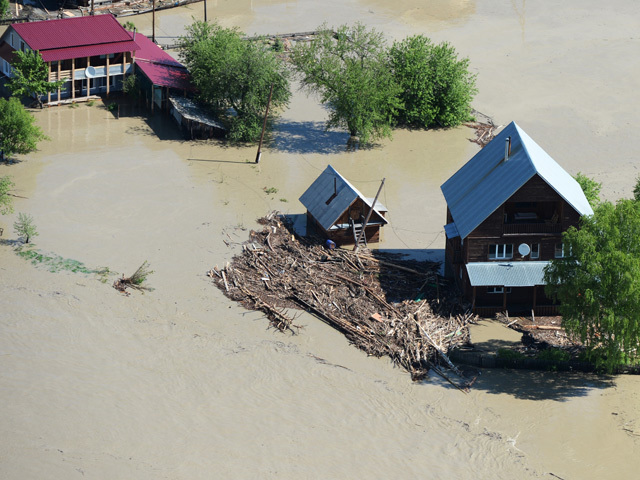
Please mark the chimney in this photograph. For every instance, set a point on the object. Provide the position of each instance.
(507, 149)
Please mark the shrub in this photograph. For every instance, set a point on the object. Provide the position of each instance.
(24, 227)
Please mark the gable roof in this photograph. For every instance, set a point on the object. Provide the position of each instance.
(76, 37)
(160, 67)
(316, 198)
(486, 181)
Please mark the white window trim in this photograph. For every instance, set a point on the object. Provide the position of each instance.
(492, 290)
(500, 251)
(563, 254)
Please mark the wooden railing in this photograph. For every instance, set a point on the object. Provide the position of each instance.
(532, 228)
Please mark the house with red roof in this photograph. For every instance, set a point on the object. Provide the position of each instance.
(92, 54)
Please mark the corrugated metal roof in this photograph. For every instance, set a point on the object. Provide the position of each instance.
(322, 189)
(149, 51)
(76, 37)
(512, 274)
(486, 181)
(160, 67)
(451, 230)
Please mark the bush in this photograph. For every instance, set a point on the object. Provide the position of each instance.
(555, 355)
(506, 354)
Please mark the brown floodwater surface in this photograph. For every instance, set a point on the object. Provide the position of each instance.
(182, 383)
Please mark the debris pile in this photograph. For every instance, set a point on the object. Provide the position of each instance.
(384, 305)
(135, 281)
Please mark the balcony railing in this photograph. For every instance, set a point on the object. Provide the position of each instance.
(531, 228)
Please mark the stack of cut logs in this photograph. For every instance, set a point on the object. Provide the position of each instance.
(385, 305)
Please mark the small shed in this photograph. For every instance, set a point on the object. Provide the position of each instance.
(338, 210)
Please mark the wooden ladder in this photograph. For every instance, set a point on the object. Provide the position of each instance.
(357, 228)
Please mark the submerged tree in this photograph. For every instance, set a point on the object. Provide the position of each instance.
(349, 70)
(18, 132)
(437, 87)
(598, 284)
(31, 76)
(5, 197)
(234, 76)
(24, 227)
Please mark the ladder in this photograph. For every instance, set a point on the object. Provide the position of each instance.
(357, 229)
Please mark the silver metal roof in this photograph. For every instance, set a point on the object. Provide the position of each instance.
(506, 274)
(322, 189)
(486, 181)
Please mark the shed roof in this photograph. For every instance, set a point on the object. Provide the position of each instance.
(327, 210)
(487, 181)
(512, 274)
(76, 37)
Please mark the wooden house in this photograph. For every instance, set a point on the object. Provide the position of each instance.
(506, 211)
(338, 210)
(92, 54)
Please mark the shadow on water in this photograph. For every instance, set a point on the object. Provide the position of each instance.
(307, 137)
(536, 385)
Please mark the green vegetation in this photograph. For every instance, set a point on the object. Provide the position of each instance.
(590, 187)
(636, 190)
(6, 204)
(598, 284)
(112, 106)
(555, 355)
(349, 70)
(56, 263)
(5, 9)
(131, 87)
(30, 76)
(270, 190)
(129, 25)
(437, 87)
(234, 77)
(284, 200)
(18, 132)
(510, 355)
(24, 227)
(91, 103)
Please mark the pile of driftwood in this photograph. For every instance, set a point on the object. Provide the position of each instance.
(384, 305)
(484, 128)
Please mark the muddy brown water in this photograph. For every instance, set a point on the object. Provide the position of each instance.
(181, 383)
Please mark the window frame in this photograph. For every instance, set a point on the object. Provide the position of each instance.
(535, 256)
(497, 290)
(503, 251)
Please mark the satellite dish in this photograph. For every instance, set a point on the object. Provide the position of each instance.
(90, 72)
(524, 249)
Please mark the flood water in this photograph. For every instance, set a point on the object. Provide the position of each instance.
(181, 383)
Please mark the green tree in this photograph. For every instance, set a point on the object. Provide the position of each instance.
(598, 284)
(18, 132)
(24, 227)
(31, 76)
(349, 70)
(636, 190)
(5, 9)
(234, 76)
(437, 87)
(590, 187)
(129, 25)
(5, 197)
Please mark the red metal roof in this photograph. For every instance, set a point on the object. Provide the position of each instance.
(160, 67)
(76, 37)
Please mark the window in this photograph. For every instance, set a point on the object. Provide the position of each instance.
(498, 289)
(21, 45)
(498, 252)
(560, 250)
(535, 251)
(11, 42)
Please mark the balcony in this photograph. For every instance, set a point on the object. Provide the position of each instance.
(541, 228)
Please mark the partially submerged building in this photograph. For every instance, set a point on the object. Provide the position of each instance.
(91, 54)
(507, 208)
(338, 210)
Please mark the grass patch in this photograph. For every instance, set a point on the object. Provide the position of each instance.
(270, 190)
(284, 200)
(91, 103)
(56, 263)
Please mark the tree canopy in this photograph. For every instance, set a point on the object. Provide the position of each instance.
(437, 87)
(30, 76)
(234, 76)
(598, 284)
(590, 187)
(5, 9)
(18, 131)
(5, 198)
(349, 70)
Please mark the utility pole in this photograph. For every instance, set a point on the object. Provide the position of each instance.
(264, 126)
(366, 220)
(153, 21)
(205, 11)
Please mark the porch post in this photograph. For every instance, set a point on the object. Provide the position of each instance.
(49, 78)
(73, 78)
(535, 291)
(473, 300)
(88, 79)
(107, 75)
(504, 299)
(59, 66)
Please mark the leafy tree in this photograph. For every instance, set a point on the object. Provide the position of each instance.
(5, 9)
(234, 76)
(590, 187)
(18, 132)
(349, 70)
(131, 86)
(31, 76)
(598, 285)
(636, 190)
(24, 227)
(129, 25)
(437, 87)
(5, 198)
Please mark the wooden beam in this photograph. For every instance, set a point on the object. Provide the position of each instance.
(107, 75)
(88, 79)
(49, 77)
(504, 299)
(59, 66)
(73, 78)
